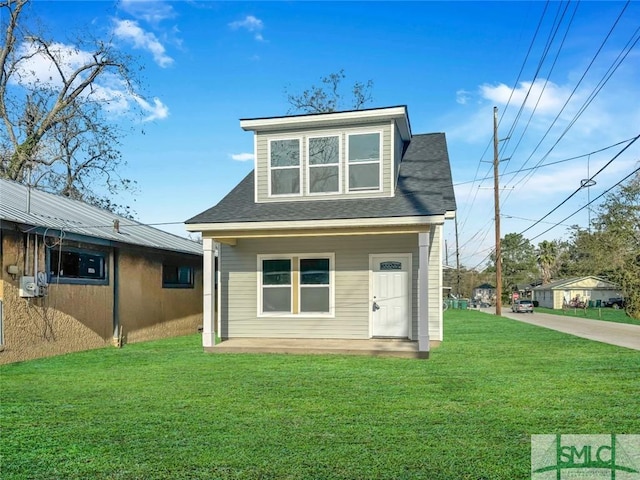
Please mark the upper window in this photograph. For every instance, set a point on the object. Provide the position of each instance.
(284, 163)
(296, 285)
(177, 276)
(324, 164)
(77, 265)
(364, 161)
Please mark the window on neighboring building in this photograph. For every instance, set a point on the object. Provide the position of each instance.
(284, 163)
(324, 164)
(77, 265)
(364, 161)
(177, 276)
(296, 285)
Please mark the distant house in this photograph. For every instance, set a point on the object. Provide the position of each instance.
(336, 234)
(524, 290)
(484, 293)
(585, 289)
(75, 277)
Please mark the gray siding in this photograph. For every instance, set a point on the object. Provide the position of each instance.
(262, 162)
(239, 286)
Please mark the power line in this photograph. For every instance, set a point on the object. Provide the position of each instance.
(548, 164)
(589, 100)
(580, 187)
(585, 206)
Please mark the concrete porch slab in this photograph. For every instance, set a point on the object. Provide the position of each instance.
(309, 346)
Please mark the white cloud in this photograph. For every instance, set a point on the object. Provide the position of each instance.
(130, 31)
(544, 96)
(157, 111)
(251, 24)
(242, 157)
(463, 97)
(148, 10)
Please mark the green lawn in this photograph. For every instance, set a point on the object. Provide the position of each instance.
(605, 314)
(166, 410)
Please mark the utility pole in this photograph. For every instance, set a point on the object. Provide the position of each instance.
(496, 197)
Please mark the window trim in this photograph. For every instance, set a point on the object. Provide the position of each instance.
(379, 162)
(191, 283)
(308, 165)
(52, 256)
(296, 285)
(299, 167)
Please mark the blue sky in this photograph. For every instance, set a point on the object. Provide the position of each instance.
(207, 64)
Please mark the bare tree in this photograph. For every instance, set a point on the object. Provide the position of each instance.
(329, 96)
(54, 104)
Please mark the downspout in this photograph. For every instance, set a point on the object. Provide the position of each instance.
(117, 330)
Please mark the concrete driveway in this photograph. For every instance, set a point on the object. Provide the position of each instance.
(620, 334)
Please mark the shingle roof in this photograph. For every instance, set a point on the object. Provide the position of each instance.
(36, 208)
(424, 188)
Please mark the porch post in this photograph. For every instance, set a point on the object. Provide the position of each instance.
(209, 293)
(423, 292)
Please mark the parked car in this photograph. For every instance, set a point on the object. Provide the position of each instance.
(522, 306)
(615, 302)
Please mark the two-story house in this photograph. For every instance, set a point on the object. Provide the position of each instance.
(335, 235)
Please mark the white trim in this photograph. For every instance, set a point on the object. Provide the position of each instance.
(208, 297)
(316, 224)
(255, 168)
(424, 246)
(409, 263)
(299, 256)
(398, 114)
(289, 167)
(380, 161)
(393, 177)
(308, 166)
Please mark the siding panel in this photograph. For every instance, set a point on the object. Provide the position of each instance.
(239, 289)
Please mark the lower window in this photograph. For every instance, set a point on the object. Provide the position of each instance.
(296, 284)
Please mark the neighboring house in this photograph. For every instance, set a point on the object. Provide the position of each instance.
(562, 292)
(485, 293)
(524, 290)
(336, 234)
(75, 277)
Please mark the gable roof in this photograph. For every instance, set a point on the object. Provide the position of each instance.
(424, 188)
(558, 284)
(32, 207)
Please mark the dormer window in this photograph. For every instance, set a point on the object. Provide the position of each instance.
(284, 166)
(324, 164)
(364, 161)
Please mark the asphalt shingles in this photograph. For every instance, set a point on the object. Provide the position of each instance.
(424, 188)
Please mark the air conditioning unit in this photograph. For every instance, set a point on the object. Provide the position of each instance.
(28, 287)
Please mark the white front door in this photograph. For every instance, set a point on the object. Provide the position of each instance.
(390, 315)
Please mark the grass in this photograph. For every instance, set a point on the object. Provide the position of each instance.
(604, 314)
(166, 410)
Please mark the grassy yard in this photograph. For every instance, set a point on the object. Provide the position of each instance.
(604, 314)
(166, 410)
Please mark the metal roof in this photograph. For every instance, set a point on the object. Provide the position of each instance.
(32, 207)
